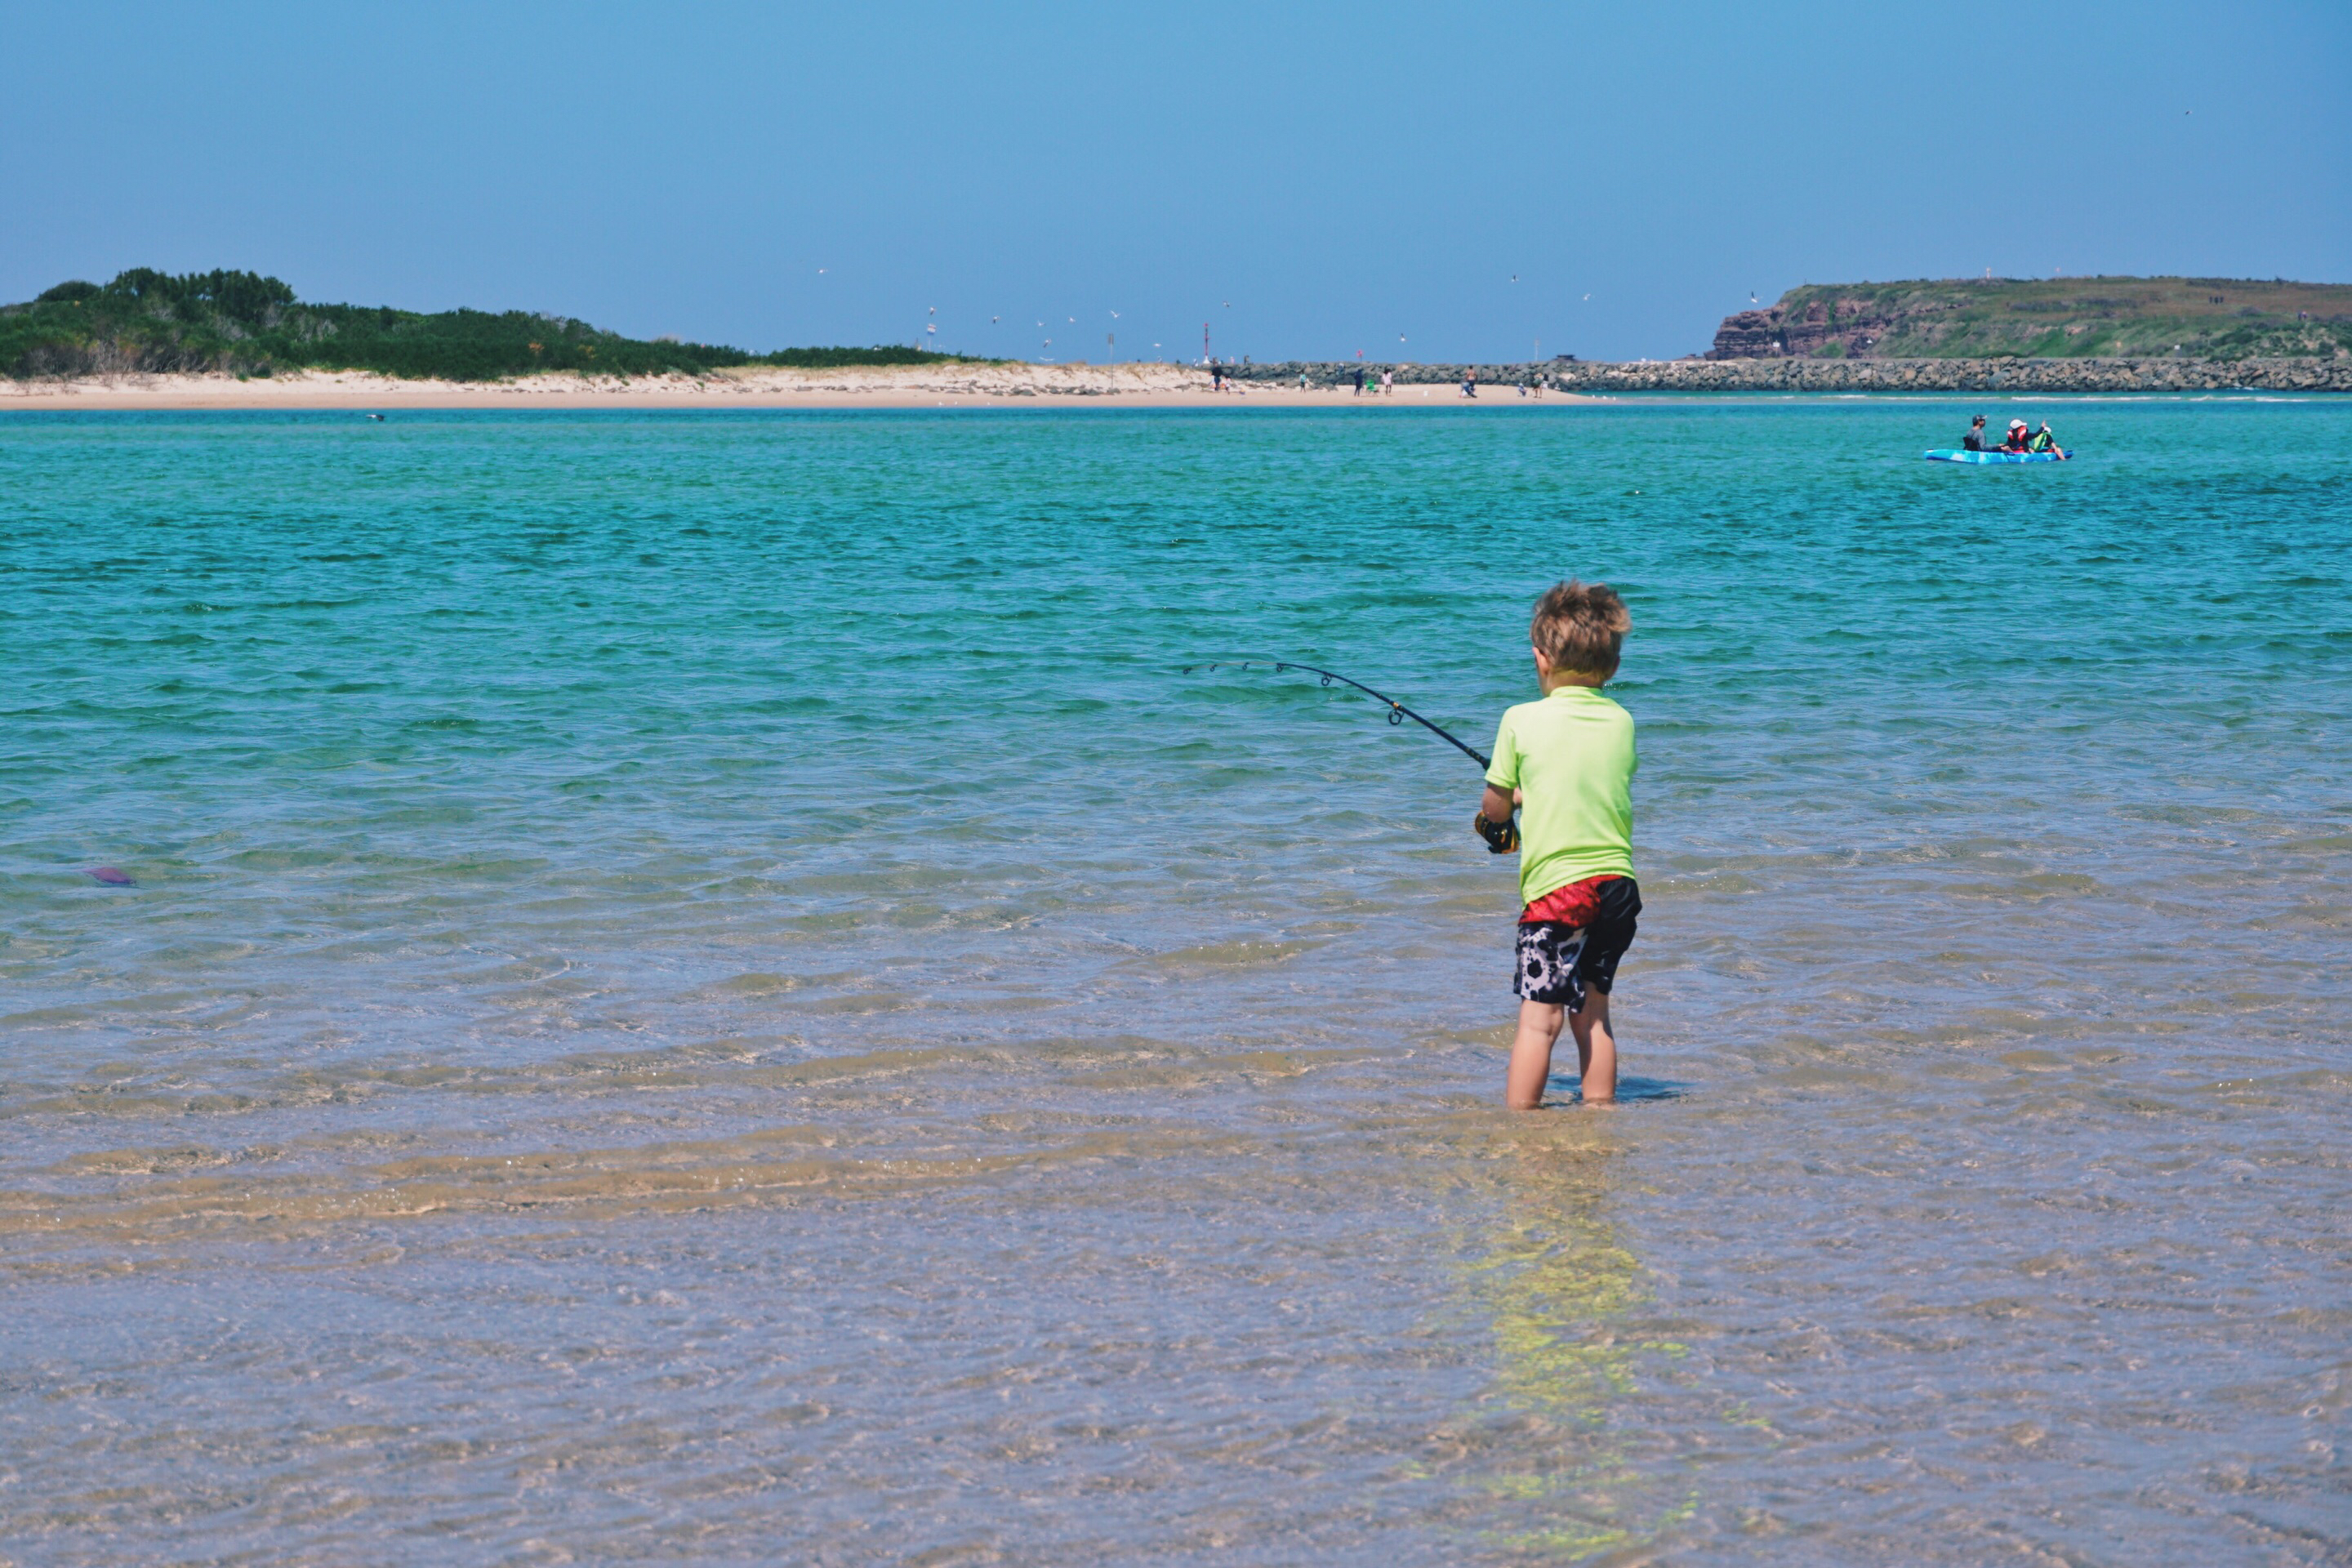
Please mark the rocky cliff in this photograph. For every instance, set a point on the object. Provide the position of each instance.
(2073, 318)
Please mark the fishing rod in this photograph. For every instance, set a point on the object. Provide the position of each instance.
(1397, 711)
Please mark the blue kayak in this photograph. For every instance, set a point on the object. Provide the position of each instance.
(1951, 457)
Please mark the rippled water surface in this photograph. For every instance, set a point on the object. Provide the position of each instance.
(706, 988)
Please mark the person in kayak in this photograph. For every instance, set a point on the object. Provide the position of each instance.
(2017, 439)
(1974, 440)
(2043, 441)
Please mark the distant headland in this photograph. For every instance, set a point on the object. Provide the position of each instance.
(2228, 318)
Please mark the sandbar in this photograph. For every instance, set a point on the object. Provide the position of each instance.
(1012, 384)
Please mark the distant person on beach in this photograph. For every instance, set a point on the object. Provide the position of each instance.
(1565, 765)
(1388, 383)
(1469, 384)
(1360, 381)
(1216, 376)
(1974, 440)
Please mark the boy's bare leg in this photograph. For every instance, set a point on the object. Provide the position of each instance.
(1596, 1048)
(1523, 1085)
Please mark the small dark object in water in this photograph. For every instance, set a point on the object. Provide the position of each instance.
(112, 876)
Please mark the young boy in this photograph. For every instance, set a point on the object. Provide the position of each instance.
(1567, 764)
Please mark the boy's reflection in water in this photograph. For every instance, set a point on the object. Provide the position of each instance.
(1563, 1440)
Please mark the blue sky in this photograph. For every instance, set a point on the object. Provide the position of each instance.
(1307, 180)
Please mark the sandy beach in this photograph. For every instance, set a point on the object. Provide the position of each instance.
(909, 387)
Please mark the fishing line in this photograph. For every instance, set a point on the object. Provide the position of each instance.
(1397, 711)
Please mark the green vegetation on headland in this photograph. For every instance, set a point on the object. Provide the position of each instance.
(245, 324)
(2226, 319)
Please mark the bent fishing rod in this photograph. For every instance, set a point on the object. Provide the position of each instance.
(1397, 711)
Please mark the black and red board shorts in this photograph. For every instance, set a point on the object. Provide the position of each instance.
(1558, 961)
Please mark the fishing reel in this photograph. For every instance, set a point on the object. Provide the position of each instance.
(1501, 837)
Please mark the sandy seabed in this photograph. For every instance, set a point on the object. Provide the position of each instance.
(908, 386)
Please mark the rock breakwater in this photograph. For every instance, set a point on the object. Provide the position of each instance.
(1852, 375)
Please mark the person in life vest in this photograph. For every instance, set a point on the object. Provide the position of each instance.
(1974, 440)
(2043, 441)
(2016, 441)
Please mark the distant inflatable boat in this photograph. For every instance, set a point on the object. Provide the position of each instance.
(1951, 457)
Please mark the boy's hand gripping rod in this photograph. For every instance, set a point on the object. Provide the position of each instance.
(1397, 711)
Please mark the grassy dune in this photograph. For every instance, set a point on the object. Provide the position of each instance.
(246, 325)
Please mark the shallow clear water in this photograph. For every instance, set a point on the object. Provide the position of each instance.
(704, 988)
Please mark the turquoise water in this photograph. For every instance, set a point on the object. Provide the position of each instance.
(704, 988)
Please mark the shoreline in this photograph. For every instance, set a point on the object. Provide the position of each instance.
(1007, 385)
(1159, 385)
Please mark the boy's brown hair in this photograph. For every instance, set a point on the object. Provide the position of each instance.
(1581, 626)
